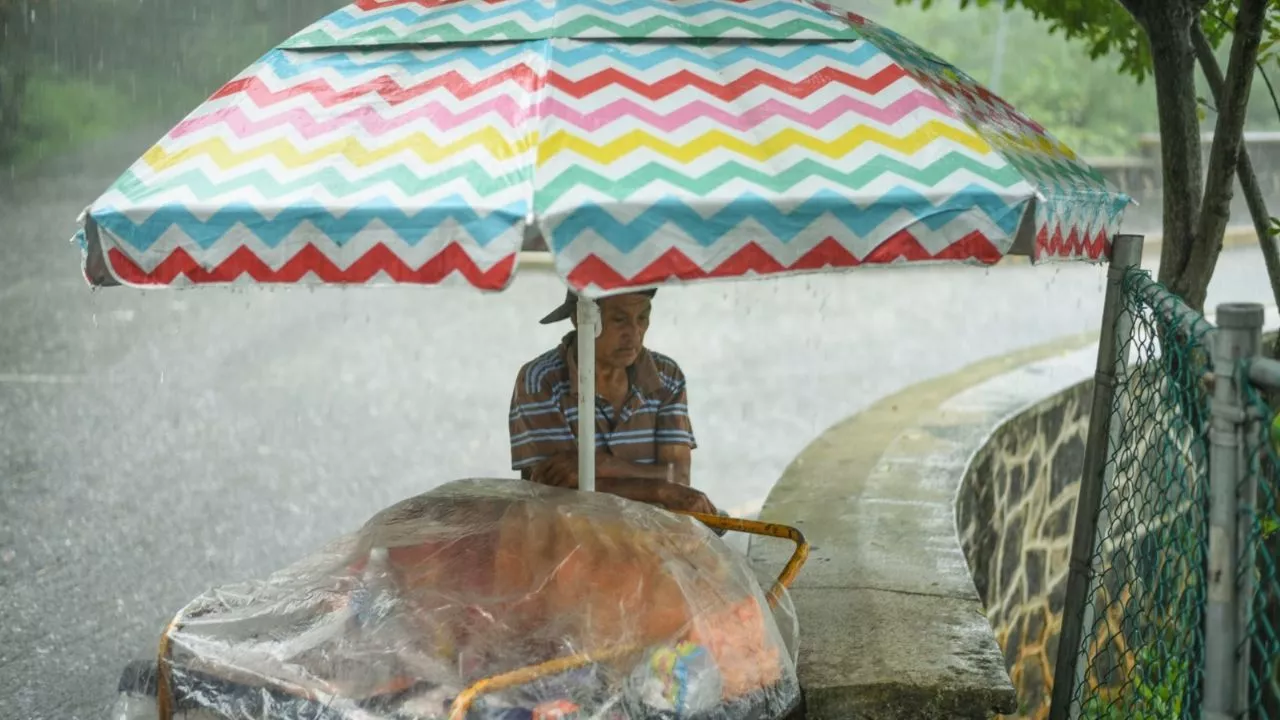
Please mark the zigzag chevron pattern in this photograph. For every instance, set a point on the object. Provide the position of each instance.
(1070, 190)
(180, 267)
(751, 259)
(372, 23)
(698, 147)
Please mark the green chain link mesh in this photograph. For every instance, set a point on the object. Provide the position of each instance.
(1262, 470)
(1142, 647)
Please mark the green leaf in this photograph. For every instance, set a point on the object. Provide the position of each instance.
(1268, 526)
(1203, 108)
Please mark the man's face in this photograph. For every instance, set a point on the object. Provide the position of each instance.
(625, 320)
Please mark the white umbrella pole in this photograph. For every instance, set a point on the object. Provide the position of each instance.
(588, 327)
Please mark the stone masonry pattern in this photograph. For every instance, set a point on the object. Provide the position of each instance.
(1015, 514)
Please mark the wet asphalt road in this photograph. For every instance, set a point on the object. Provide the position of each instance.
(153, 444)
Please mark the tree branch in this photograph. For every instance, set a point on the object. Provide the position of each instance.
(1228, 136)
(1244, 165)
(1168, 31)
(1262, 72)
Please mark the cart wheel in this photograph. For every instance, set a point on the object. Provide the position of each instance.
(136, 698)
(139, 678)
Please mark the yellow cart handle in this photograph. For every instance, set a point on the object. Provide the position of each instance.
(756, 527)
(462, 704)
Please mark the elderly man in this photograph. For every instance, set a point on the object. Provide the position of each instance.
(644, 440)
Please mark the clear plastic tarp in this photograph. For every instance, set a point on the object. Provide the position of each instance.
(494, 599)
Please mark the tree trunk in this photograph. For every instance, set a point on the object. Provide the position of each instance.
(1244, 169)
(1168, 28)
(1228, 136)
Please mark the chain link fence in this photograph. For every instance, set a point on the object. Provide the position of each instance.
(1175, 584)
(1259, 556)
(1142, 647)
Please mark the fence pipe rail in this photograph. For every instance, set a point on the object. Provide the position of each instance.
(1112, 341)
(1265, 372)
(1172, 308)
(1226, 663)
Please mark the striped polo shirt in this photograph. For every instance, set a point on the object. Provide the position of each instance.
(544, 409)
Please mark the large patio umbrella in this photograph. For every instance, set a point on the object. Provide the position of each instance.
(646, 142)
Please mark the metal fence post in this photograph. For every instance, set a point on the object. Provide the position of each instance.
(1226, 668)
(1113, 346)
(588, 330)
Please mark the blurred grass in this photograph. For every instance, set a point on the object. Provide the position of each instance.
(61, 114)
(93, 70)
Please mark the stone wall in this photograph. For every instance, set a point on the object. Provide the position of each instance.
(1139, 175)
(1014, 513)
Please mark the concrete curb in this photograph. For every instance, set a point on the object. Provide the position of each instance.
(891, 623)
(1236, 237)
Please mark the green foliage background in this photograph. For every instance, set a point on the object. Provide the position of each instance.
(1079, 67)
(91, 69)
(1085, 102)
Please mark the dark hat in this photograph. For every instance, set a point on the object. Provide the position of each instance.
(570, 306)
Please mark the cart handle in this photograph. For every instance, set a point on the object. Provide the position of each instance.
(757, 527)
(164, 691)
(462, 704)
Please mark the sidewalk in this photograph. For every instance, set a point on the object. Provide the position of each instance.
(1237, 236)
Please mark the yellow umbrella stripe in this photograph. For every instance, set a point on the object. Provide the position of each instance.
(766, 149)
(498, 145)
(1037, 144)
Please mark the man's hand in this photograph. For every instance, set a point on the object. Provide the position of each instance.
(562, 471)
(685, 499)
(557, 471)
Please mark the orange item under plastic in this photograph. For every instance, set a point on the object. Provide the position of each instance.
(555, 710)
(487, 589)
(604, 584)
